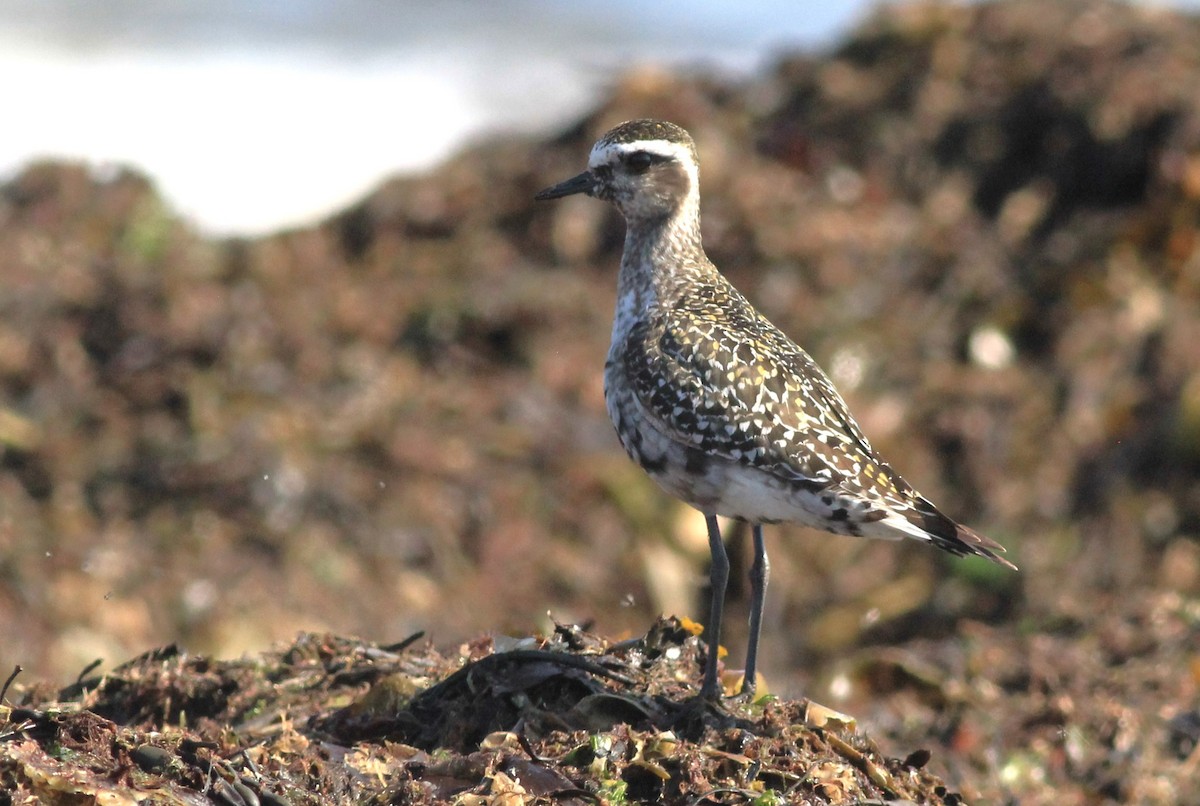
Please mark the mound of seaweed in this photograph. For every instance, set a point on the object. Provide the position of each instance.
(981, 219)
(568, 719)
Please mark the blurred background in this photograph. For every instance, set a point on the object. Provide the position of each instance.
(286, 345)
(303, 107)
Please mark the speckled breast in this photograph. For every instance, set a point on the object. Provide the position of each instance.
(714, 485)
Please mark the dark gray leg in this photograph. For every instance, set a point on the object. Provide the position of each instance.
(718, 578)
(759, 573)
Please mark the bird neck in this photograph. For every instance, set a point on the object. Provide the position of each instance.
(662, 257)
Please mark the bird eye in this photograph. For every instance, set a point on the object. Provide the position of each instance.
(639, 162)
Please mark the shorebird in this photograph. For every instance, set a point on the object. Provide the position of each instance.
(718, 405)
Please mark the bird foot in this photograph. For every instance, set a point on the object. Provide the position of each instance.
(744, 697)
(699, 713)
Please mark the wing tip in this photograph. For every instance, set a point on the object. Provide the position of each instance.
(948, 534)
(982, 545)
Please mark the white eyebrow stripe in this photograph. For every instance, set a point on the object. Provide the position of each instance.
(604, 153)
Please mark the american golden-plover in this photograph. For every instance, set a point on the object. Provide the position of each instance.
(720, 407)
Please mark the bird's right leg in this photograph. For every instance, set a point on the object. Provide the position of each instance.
(718, 579)
(759, 573)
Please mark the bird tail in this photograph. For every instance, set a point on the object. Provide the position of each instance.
(923, 520)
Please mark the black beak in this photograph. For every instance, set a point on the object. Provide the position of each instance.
(576, 184)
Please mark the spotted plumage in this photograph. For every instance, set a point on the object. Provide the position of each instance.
(718, 405)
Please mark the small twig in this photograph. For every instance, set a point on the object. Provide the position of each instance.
(528, 748)
(208, 776)
(250, 763)
(400, 646)
(16, 671)
(799, 781)
(88, 669)
(878, 775)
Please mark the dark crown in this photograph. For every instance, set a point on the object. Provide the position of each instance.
(633, 131)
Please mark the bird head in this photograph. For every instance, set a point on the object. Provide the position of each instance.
(647, 168)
